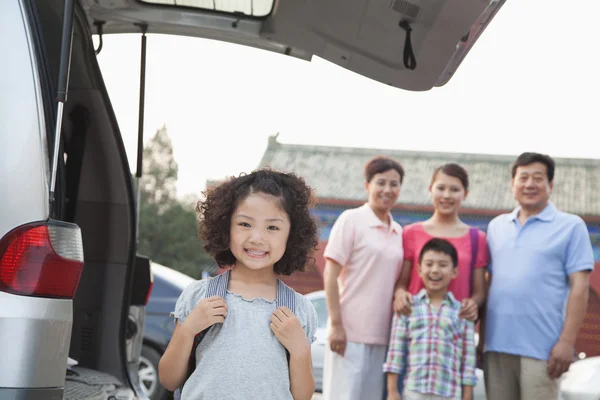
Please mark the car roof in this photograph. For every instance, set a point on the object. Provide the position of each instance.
(176, 278)
(319, 294)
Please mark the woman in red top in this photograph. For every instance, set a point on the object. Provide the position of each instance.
(449, 188)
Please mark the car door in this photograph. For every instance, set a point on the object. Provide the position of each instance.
(409, 44)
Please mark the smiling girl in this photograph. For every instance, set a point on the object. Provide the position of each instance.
(254, 348)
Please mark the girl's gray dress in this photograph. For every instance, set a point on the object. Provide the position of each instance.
(241, 358)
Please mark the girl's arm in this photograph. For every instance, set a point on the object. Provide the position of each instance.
(302, 382)
(173, 365)
(288, 330)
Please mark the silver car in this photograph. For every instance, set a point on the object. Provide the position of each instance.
(72, 288)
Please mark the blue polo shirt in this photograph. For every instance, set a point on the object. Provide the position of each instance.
(530, 266)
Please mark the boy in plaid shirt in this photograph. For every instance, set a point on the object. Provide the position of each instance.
(434, 345)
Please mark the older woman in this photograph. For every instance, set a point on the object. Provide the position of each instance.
(364, 257)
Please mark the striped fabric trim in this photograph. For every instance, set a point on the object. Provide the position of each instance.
(286, 297)
(217, 286)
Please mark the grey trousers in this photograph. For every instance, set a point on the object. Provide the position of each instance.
(517, 378)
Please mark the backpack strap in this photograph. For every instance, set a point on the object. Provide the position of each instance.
(217, 286)
(474, 235)
(286, 297)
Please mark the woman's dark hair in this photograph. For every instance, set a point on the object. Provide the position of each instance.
(530, 158)
(381, 164)
(455, 171)
(440, 246)
(295, 199)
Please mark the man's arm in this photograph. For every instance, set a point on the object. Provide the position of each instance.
(563, 352)
(579, 286)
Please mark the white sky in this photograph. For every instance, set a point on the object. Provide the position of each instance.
(530, 83)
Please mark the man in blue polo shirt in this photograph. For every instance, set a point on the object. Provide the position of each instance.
(540, 263)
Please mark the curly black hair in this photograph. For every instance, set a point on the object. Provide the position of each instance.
(296, 198)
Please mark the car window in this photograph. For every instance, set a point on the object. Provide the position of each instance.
(321, 308)
(164, 289)
(255, 8)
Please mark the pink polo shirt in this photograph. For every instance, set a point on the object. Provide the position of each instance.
(371, 255)
(415, 237)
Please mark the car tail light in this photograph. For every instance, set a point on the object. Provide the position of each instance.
(42, 259)
(149, 293)
(142, 281)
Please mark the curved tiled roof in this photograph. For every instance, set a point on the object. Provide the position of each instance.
(337, 173)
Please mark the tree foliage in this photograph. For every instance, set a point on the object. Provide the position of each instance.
(168, 226)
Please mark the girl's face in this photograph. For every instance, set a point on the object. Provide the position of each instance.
(383, 190)
(447, 193)
(259, 231)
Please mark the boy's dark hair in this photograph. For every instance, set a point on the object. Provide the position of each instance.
(440, 246)
(295, 199)
(381, 164)
(530, 158)
(455, 171)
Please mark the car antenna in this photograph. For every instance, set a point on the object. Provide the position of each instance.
(140, 142)
(63, 88)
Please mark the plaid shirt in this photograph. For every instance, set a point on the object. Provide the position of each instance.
(437, 347)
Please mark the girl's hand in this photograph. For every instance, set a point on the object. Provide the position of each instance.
(287, 329)
(209, 311)
(469, 310)
(337, 339)
(403, 302)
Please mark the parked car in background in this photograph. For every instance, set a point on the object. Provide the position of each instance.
(582, 380)
(318, 347)
(159, 326)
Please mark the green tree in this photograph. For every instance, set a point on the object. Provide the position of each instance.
(168, 227)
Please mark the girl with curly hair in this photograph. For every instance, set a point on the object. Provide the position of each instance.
(254, 346)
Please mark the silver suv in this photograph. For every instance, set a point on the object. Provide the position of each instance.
(72, 288)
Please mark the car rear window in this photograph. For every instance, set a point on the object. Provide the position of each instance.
(254, 8)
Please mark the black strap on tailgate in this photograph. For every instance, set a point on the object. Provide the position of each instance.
(410, 61)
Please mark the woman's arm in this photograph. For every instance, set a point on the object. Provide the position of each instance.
(337, 333)
(173, 365)
(479, 286)
(402, 298)
(332, 291)
(404, 279)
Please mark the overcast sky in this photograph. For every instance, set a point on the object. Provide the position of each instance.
(530, 84)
